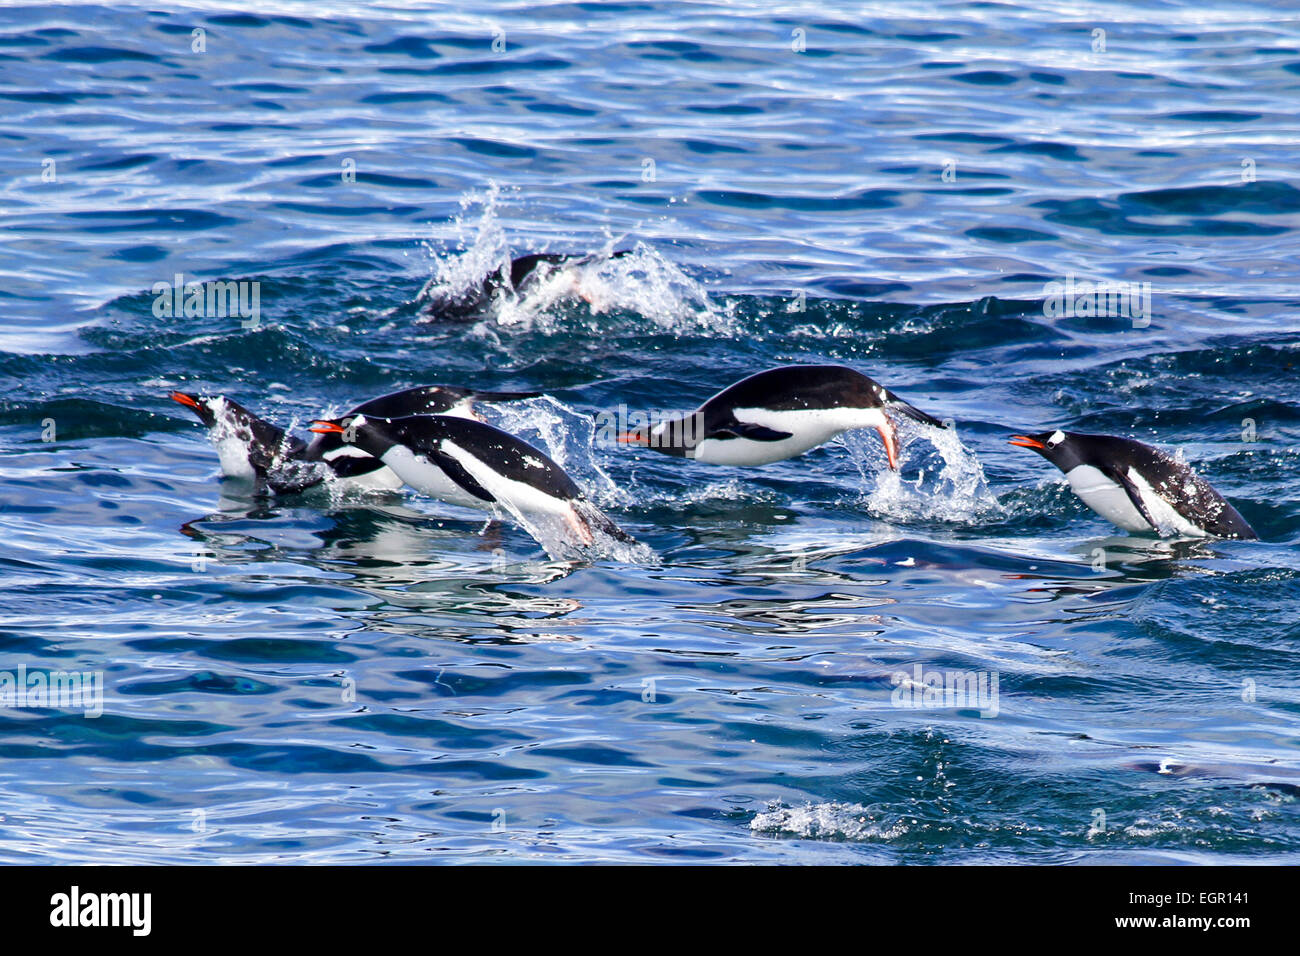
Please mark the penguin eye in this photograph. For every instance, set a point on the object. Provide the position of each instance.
(1055, 439)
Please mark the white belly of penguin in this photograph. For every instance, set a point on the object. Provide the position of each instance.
(427, 478)
(519, 495)
(1106, 497)
(233, 455)
(381, 479)
(808, 428)
(1109, 499)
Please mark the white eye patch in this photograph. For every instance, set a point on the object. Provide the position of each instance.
(1056, 438)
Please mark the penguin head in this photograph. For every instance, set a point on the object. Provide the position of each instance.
(214, 410)
(368, 434)
(207, 407)
(676, 437)
(1060, 448)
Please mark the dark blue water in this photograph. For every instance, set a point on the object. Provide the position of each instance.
(324, 679)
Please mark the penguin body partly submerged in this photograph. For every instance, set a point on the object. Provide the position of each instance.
(1137, 487)
(248, 446)
(781, 413)
(515, 277)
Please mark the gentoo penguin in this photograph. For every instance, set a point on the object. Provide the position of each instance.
(250, 447)
(461, 305)
(1137, 487)
(779, 414)
(350, 461)
(473, 464)
(247, 446)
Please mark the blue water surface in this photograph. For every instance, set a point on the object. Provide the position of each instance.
(888, 185)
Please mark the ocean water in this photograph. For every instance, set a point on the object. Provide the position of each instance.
(350, 679)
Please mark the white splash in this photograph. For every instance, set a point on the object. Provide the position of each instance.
(556, 536)
(565, 434)
(484, 246)
(641, 282)
(560, 297)
(939, 478)
(835, 821)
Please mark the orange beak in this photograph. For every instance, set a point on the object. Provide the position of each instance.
(183, 399)
(1024, 441)
(630, 438)
(326, 428)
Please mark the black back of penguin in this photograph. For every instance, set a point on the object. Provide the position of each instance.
(421, 400)
(466, 304)
(795, 387)
(503, 453)
(431, 400)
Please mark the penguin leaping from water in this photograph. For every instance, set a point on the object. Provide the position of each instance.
(472, 464)
(781, 413)
(349, 461)
(1137, 487)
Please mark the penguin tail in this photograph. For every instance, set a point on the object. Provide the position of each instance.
(1233, 525)
(591, 520)
(896, 404)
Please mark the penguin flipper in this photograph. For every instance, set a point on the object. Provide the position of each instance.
(457, 473)
(294, 476)
(749, 430)
(1134, 494)
(895, 404)
(348, 466)
(281, 485)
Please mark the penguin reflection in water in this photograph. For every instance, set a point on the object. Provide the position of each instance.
(1137, 487)
(472, 464)
(781, 413)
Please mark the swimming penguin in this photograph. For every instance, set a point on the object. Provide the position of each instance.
(779, 414)
(250, 447)
(472, 464)
(351, 462)
(466, 304)
(1137, 487)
